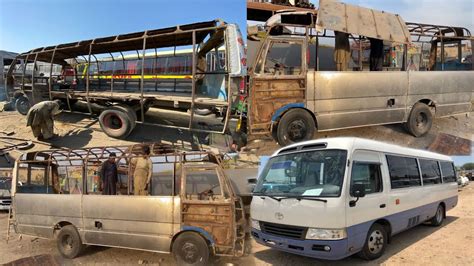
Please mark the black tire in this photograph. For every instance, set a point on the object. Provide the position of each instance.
(190, 249)
(438, 219)
(295, 126)
(115, 123)
(375, 243)
(420, 120)
(22, 105)
(132, 115)
(69, 242)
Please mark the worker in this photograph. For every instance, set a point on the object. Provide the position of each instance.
(40, 118)
(109, 175)
(143, 169)
(342, 51)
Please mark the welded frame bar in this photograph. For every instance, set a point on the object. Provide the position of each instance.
(112, 76)
(25, 62)
(227, 76)
(50, 80)
(141, 80)
(88, 79)
(155, 64)
(33, 76)
(98, 70)
(193, 81)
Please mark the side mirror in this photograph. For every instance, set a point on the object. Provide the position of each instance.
(358, 190)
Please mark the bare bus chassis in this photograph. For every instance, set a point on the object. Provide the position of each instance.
(56, 192)
(125, 91)
(294, 101)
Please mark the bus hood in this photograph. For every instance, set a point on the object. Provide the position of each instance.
(305, 213)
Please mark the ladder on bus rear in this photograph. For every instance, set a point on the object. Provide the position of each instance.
(240, 228)
(10, 223)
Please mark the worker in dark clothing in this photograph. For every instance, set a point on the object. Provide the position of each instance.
(342, 51)
(40, 118)
(109, 175)
(376, 54)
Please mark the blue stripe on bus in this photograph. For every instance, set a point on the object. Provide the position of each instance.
(283, 109)
(356, 234)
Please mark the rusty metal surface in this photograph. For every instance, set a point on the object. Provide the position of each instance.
(367, 22)
(451, 145)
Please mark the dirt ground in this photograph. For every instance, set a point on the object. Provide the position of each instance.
(450, 244)
(461, 126)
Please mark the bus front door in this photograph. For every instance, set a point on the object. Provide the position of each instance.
(208, 207)
(278, 81)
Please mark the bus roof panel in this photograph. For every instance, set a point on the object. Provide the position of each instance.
(337, 16)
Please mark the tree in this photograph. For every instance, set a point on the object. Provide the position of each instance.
(468, 166)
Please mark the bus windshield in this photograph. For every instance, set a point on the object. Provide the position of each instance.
(312, 174)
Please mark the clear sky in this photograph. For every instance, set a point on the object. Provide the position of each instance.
(28, 24)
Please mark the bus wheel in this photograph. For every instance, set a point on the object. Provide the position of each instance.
(132, 115)
(296, 125)
(69, 242)
(115, 123)
(420, 120)
(375, 243)
(190, 249)
(437, 220)
(22, 105)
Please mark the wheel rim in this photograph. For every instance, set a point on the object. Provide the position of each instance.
(23, 106)
(67, 242)
(113, 121)
(297, 130)
(375, 242)
(439, 215)
(421, 120)
(190, 253)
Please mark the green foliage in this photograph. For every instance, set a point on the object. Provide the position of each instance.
(468, 166)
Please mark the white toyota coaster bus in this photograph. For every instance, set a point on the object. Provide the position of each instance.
(331, 198)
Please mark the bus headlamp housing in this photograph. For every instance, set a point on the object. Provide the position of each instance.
(255, 224)
(326, 234)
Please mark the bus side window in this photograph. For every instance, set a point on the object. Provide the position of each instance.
(403, 172)
(367, 174)
(430, 172)
(284, 58)
(202, 184)
(449, 175)
(162, 179)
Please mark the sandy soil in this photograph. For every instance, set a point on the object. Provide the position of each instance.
(450, 244)
(460, 126)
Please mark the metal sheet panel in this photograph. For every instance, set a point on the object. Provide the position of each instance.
(367, 22)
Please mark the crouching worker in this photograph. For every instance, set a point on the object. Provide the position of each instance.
(40, 118)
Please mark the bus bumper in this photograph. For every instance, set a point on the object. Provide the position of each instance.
(305, 247)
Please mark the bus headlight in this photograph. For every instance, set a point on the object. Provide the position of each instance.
(255, 224)
(326, 234)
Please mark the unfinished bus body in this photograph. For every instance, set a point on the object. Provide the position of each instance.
(196, 66)
(190, 208)
(295, 89)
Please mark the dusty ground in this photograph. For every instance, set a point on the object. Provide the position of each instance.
(460, 126)
(450, 244)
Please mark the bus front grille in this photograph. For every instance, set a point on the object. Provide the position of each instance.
(283, 230)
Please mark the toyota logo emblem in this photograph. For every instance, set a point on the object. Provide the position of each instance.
(279, 215)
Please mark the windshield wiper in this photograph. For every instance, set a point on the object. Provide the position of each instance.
(313, 198)
(270, 196)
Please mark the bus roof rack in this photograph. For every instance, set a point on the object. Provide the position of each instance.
(157, 38)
